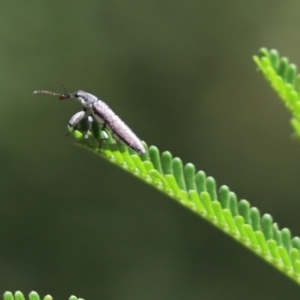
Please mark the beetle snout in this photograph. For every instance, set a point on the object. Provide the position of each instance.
(64, 96)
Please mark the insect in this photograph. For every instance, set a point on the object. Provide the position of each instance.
(97, 110)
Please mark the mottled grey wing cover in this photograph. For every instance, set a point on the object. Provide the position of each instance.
(117, 126)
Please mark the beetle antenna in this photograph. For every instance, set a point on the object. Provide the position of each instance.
(46, 92)
(63, 87)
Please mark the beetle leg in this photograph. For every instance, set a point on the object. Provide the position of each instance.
(90, 121)
(104, 135)
(75, 119)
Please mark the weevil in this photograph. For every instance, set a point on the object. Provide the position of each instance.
(95, 109)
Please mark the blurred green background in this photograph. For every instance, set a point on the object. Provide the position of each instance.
(180, 73)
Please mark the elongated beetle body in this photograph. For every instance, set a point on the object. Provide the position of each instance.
(95, 109)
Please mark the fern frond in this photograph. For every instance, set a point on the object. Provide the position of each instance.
(32, 296)
(198, 193)
(284, 79)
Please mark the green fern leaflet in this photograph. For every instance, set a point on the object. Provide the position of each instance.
(199, 193)
(32, 296)
(284, 79)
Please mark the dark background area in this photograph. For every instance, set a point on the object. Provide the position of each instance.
(181, 74)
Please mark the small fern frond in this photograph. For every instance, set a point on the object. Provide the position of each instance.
(32, 296)
(198, 192)
(284, 79)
